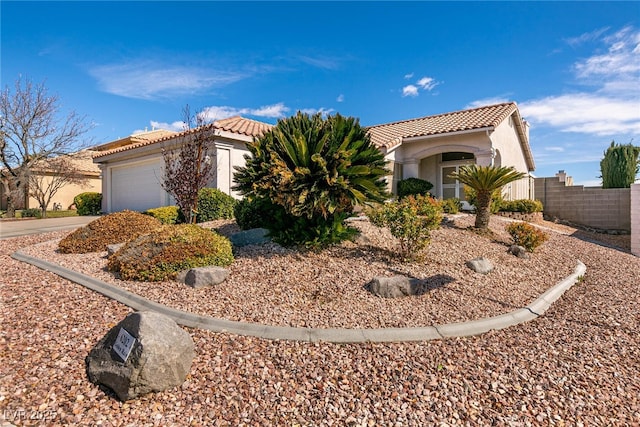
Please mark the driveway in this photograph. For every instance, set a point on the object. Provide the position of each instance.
(34, 226)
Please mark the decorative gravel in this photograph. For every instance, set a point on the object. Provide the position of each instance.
(579, 364)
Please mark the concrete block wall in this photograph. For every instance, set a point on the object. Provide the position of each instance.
(635, 219)
(607, 209)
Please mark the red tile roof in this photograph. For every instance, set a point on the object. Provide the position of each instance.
(236, 124)
(389, 135)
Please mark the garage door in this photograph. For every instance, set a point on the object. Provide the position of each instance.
(137, 187)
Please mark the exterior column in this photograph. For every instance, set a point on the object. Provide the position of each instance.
(484, 158)
(105, 178)
(411, 169)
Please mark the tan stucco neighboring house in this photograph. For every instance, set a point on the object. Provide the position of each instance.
(132, 173)
(433, 147)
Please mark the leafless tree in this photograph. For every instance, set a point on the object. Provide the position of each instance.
(49, 176)
(32, 129)
(188, 167)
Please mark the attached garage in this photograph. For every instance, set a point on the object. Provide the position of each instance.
(136, 186)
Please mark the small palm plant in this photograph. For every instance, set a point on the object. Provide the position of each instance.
(485, 180)
(313, 171)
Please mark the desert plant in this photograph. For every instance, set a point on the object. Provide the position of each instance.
(165, 214)
(413, 186)
(310, 173)
(485, 180)
(163, 253)
(521, 205)
(451, 206)
(214, 204)
(117, 227)
(31, 213)
(620, 165)
(526, 235)
(496, 198)
(249, 213)
(88, 203)
(411, 221)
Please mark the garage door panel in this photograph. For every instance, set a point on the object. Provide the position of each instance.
(137, 187)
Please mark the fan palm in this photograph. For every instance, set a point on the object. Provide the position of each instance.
(485, 180)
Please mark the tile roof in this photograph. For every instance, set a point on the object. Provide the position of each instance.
(389, 135)
(235, 124)
(135, 138)
(80, 161)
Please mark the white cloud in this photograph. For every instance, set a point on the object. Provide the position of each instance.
(620, 62)
(340, 98)
(149, 79)
(177, 126)
(427, 83)
(323, 62)
(408, 76)
(487, 101)
(410, 90)
(586, 37)
(324, 111)
(222, 112)
(554, 149)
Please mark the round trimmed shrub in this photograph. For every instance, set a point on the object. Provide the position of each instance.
(114, 228)
(214, 204)
(521, 205)
(165, 214)
(162, 254)
(88, 203)
(526, 235)
(413, 187)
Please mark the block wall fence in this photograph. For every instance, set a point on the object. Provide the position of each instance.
(635, 219)
(607, 209)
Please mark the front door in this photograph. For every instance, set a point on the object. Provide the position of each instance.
(451, 187)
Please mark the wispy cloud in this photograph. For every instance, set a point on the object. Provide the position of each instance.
(324, 62)
(554, 149)
(340, 98)
(151, 80)
(177, 126)
(267, 111)
(487, 101)
(324, 111)
(586, 37)
(612, 108)
(425, 84)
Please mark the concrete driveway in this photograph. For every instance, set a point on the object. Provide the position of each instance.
(22, 227)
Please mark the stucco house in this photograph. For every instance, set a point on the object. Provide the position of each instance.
(132, 173)
(429, 148)
(432, 147)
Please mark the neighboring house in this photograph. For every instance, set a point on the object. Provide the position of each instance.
(429, 148)
(81, 163)
(433, 147)
(132, 173)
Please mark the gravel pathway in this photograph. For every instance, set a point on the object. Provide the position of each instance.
(579, 364)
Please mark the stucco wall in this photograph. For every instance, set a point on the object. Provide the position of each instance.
(506, 142)
(608, 209)
(65, 195)
(635, 219)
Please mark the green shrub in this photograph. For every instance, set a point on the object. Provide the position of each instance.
(214, 204)
(521, 205)
(162, 254)
(496, 198)
(31, 213)
(117, 227)
(250, 213)
(309, 174)
(412, 187)
(165, 214)
(451, 206)
(88, 203)
(526, 235)
(411, 221)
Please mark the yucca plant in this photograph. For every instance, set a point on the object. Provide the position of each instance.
(316, 170)
(485, 180)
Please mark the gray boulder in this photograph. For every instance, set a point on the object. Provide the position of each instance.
(254, 236)
(480, 265)
(112, 249)
(519, 251)
(201, 277)
(394, 286)
(146, 352)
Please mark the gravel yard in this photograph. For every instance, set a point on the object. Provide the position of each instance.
(579, 363)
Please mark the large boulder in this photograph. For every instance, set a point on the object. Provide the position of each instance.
(201, 277)
(394, 286)
(146, 352)
(480, 265)
(519, 251)
(254, 236)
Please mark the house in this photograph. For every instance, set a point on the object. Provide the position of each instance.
(429, 148)
(433, 147)
(45, 174)
(132, 172)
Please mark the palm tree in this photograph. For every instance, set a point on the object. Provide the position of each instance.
(485, 180)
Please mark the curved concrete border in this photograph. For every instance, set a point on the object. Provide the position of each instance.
(474, 327)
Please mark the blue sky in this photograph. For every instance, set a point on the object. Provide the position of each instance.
(573, 68)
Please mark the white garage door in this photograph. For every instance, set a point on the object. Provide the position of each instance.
(137, 187)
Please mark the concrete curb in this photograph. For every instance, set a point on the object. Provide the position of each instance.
(473, 327)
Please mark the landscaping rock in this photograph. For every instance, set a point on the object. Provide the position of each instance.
(519, 251)
(480, 265)
(254, 236)
(201, 277)
(160, 356)
(394, 286)
(112, 249)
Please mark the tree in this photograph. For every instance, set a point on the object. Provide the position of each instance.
(32, 130)
(315, 171)
(49, 176)
(620, 165)
(485, 180)
(188, 168)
